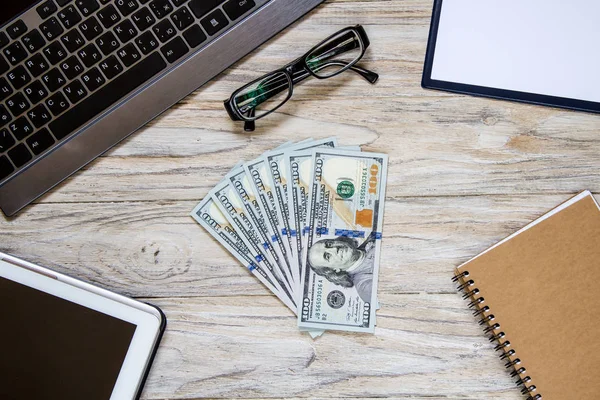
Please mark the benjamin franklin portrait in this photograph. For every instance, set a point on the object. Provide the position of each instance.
(344, 262)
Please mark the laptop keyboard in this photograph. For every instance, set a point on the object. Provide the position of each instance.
(85, 56)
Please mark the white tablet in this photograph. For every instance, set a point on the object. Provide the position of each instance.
(65, 339)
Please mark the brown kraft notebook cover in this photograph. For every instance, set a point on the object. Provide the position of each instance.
(537, 293)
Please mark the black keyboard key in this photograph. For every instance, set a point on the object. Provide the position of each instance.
(143, 19)
(57, 103)
(46, 9)
(33, 41)
(37, 65)
(54, 80)
(5, 116)
(107, 95)
(161, 8)
(3, 65)
(21, 128)
(237, 8)
(6, 140)
(127, 6)
(125, 31)
(164, 30)
(17, 29)
(40, 116)
(91, 28)
(6, 167)
(36, 92)
(15, 53)
(87, 7)
(69, 16)
(3, 39)
(19, 155)
(109, 16)
(93, 79)
(63, 2)
(201, 7)
(5, 89)
(107, 43)
(174, 50)
(17, 104)
(55, 52)
(194, 36)
(40, 141)
(72, 40)
(18, 77)
(144, 1)
(177, 3)
(71, 67)
(105, 1)
(146, 42)
(214, 22)
(89, 55)
(51, 29)
(111, 67)
(129, 55)
(182, 18)
(75, 91)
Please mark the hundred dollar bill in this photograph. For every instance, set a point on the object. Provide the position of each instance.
(341, 256)
(208, 215)
(238, 179)
(277, 190)
(256, 173)
(231, 205)
(297, 166)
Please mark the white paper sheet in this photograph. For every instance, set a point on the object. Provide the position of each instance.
(547, 47)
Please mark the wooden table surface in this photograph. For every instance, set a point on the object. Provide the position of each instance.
(464, 173)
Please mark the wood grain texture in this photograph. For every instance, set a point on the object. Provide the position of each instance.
(464, 173)
(155, 249)
(425, 346)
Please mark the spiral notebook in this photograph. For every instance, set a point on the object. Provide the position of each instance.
(537, 294)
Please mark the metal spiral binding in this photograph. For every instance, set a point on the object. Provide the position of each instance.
(482, 311)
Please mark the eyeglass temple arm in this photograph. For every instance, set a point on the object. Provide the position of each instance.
(271, 88)
(276, 86)
(368, 75)
(341, 45)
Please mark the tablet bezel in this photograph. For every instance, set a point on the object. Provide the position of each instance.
(483, 91)
(149, 321)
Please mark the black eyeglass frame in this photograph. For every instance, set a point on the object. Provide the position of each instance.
(300, 65)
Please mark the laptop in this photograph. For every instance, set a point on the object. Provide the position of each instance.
(79, 76)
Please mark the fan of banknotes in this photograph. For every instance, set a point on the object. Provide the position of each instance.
(306, 220)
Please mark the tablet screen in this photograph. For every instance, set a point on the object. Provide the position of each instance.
(55, 349)
(545, 47)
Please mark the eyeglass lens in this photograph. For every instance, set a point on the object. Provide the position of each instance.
(336, 54)
(261, 97)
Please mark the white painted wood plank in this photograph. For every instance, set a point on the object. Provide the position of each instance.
(156, 249)
(424, 347)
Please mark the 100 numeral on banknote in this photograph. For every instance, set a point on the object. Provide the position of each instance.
(341, 257)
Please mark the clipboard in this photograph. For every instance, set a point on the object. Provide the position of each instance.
(583, 94)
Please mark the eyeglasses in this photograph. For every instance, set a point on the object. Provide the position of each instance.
(336, 54)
